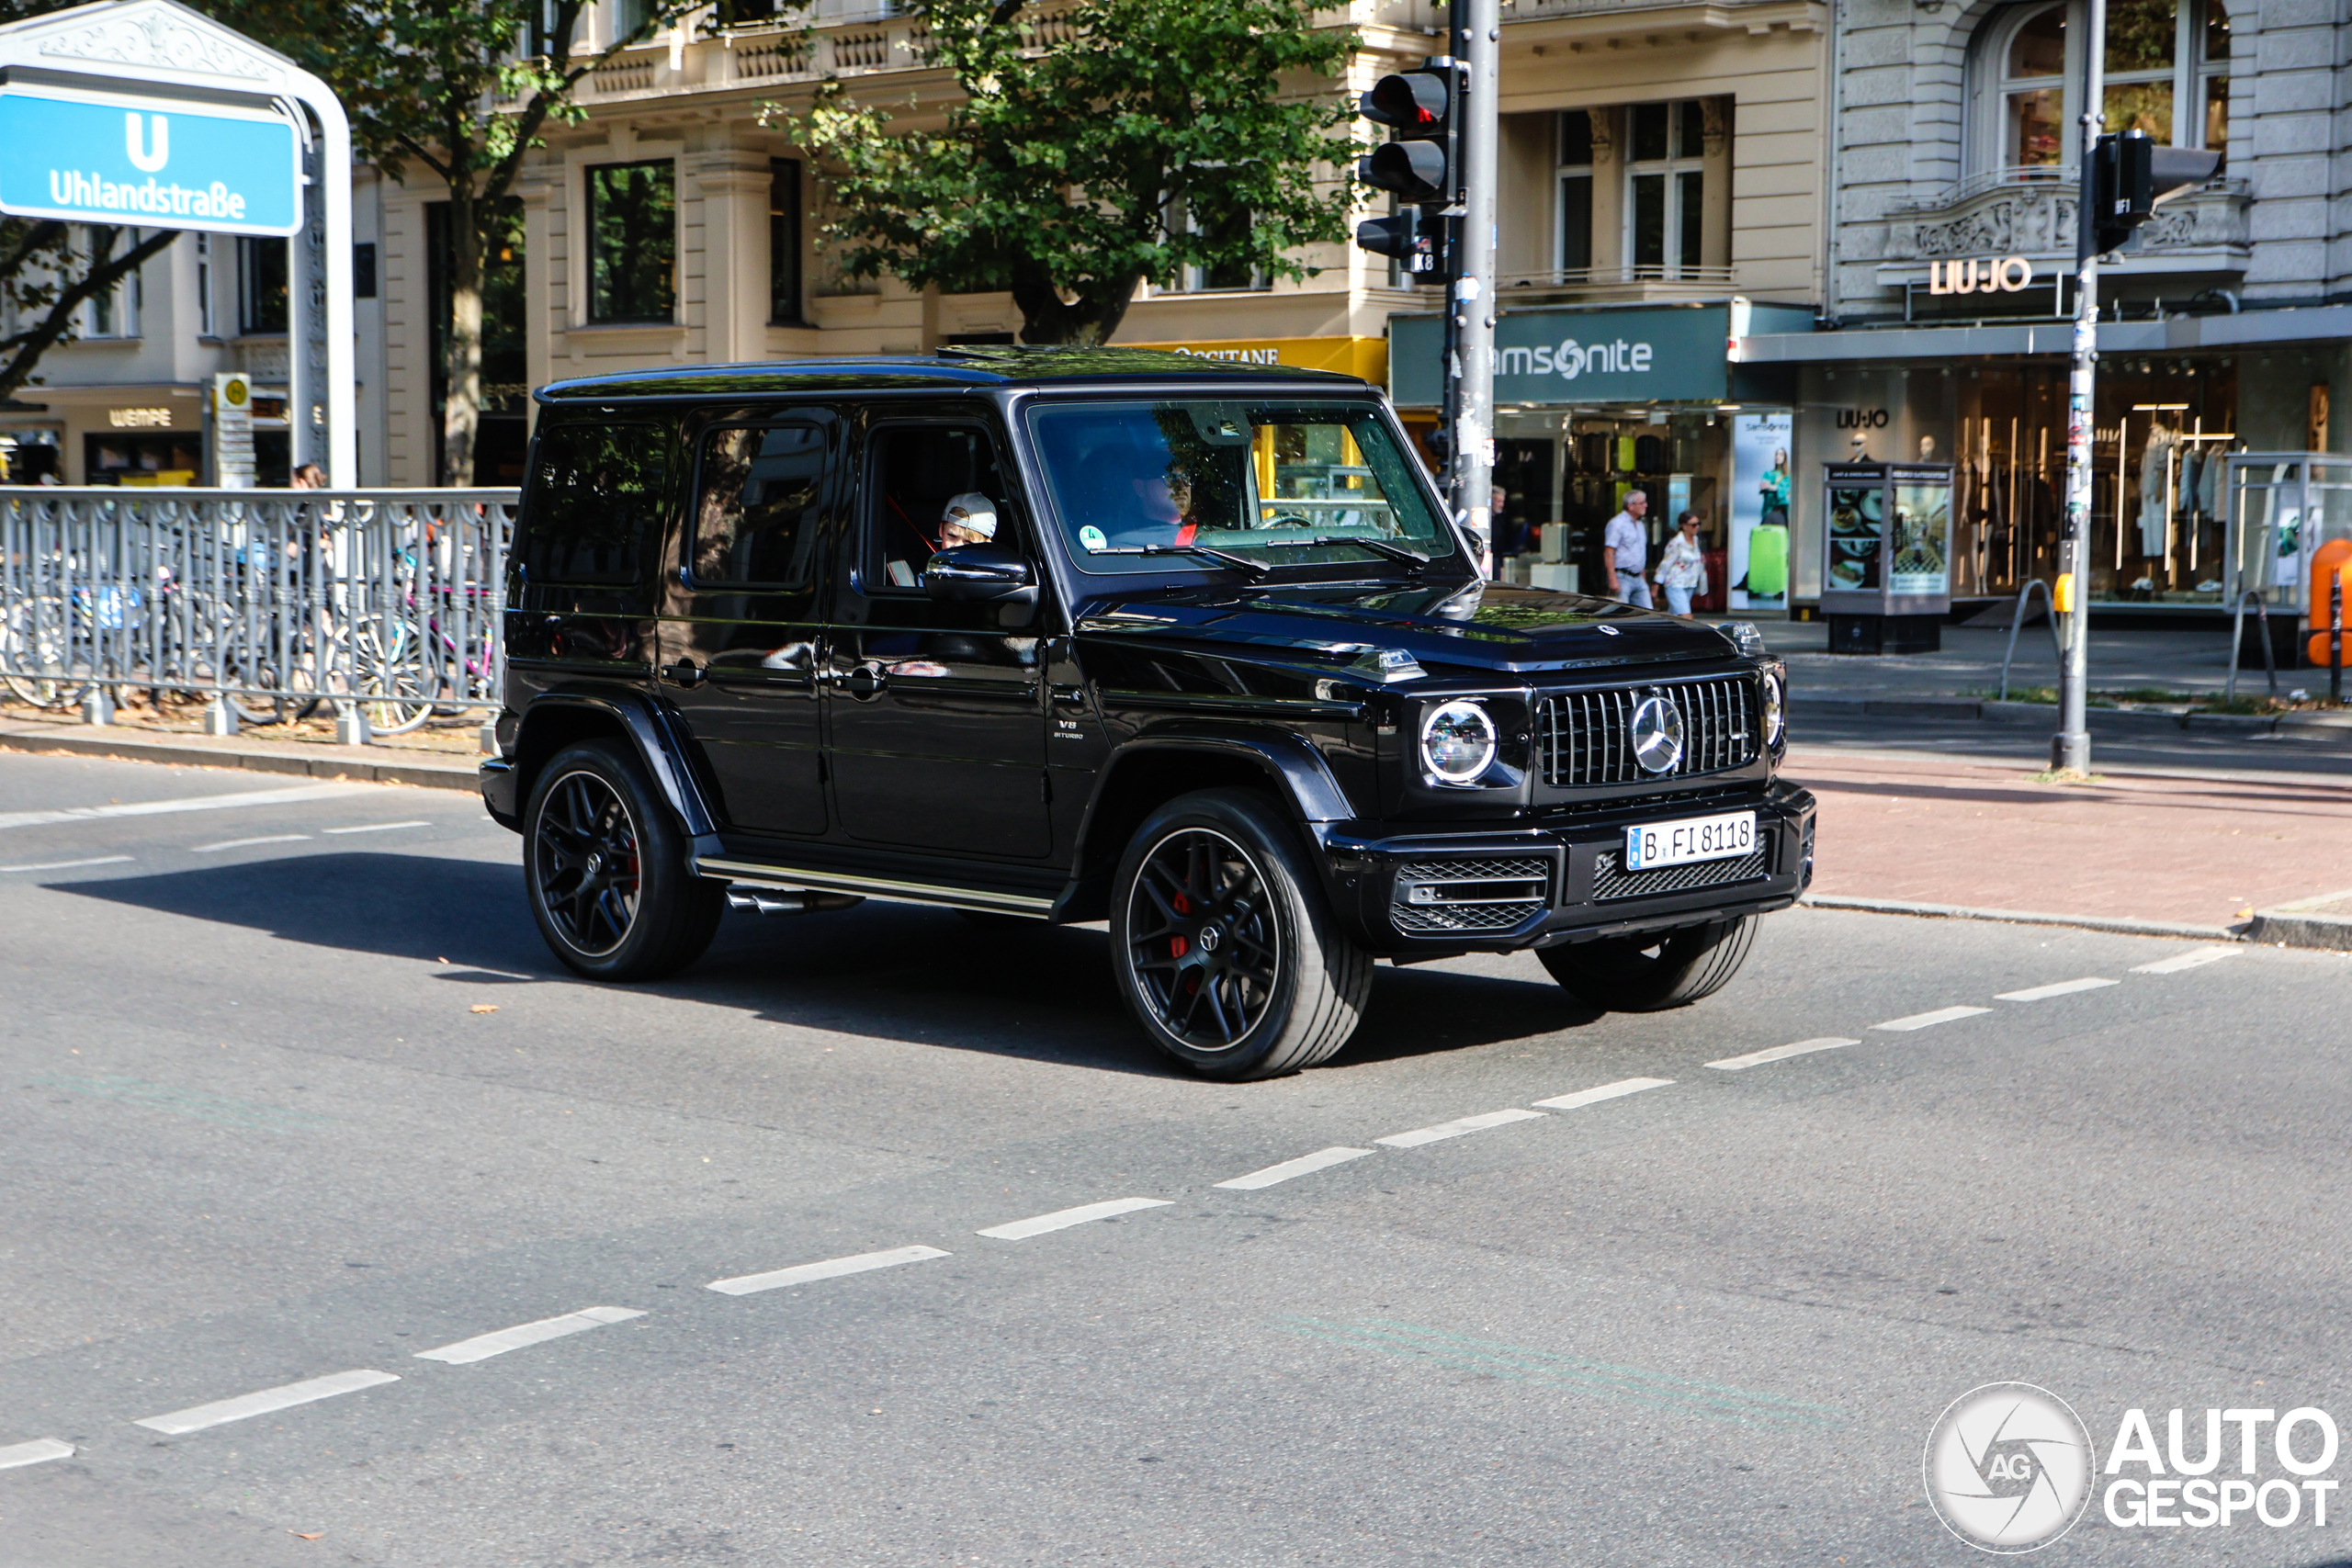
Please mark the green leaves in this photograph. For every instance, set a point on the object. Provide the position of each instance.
(1115, 142)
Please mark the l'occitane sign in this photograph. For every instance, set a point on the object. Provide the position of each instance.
(1365, 356)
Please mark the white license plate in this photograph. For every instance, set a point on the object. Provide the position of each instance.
(1655, 845)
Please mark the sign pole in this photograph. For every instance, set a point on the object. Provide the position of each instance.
(2070, 747)
(1470, 366)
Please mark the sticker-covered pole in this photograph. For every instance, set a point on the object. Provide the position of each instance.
(2069, 749)
(1478, 42)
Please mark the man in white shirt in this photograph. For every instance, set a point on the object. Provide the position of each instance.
(1625, 550)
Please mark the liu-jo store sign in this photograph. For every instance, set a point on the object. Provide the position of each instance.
(1980, 275)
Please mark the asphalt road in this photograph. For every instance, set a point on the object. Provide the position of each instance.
(262, 1127)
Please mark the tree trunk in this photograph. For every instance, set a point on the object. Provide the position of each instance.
(1086, 322)
(461, 362)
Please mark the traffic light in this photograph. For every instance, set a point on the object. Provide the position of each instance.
(1422, 162)
(1420, 239)
(2131, 173)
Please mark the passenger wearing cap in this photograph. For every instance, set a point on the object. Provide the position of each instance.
(970, 519)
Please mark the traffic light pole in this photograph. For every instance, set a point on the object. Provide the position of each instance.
(1470, 307)
(2069, 749)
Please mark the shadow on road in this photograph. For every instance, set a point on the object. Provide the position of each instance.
(888, 971)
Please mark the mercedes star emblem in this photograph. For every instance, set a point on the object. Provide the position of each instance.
(1656, 730)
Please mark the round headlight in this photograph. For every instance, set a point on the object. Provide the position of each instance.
(1776, 709)
(1458, 741)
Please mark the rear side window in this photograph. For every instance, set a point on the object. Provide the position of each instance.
(595, 495)
(759, 505)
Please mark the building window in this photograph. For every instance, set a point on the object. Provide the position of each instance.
(1666, 187)
(632, 242)
(630, 17)
(203, 284)
(784, 242)
(2161, 54)
(113, 312)
(261, 287)
(1226, 275)
(1576, 192)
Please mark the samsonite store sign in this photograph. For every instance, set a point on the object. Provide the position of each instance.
(1636, 354)
(91, 157)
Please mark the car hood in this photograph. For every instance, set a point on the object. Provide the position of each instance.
(1481, 626)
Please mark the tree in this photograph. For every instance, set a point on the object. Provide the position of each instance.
(1114, 144)
(48, 269)
(463, 90)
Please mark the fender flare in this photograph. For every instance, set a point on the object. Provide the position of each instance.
(1288, 757)
(652, 730)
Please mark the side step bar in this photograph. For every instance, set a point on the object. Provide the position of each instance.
(751, 875)
(761, 901)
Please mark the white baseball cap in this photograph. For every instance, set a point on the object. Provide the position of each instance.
(974, 511)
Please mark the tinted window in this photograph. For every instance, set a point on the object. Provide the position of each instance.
(757, 509)
(920, 470)
(596, 491)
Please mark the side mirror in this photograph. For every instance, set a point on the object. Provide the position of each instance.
(979, 574)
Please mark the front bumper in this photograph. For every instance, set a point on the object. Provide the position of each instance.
(1503, 891)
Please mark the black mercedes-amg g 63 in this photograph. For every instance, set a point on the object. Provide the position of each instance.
(1107, 635)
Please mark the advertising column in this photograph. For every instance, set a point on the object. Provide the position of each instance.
(1758, 562)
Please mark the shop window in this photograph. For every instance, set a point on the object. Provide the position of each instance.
(784, 242)
(632, 242)
(2161, 54)
(261, 287)
(1666, 188)
(1575, 177)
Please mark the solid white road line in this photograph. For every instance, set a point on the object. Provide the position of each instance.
(831, 1268)
(379, 827)
(34, 1453)
(1304, 1165)
(198, 1417)
(1420, 1135)
(67, 864)
(249, 843)
(2056, 988)
(189, 803)
(483, 1346)
(1927, 1019)
(1781, 1053)
(1062, 1219)
(2193, 959)
(1584, 1097)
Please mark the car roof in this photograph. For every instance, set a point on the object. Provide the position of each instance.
(950, 369)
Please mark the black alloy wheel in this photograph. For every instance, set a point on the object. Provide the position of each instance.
(1201, 939)
(604, 864)
(586, 863)
(1222, 944)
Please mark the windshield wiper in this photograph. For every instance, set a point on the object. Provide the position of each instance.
(1377, 547)
(1242, 564)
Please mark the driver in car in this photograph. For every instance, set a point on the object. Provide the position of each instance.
(1167, 500)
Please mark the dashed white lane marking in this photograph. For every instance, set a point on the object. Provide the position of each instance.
(1420, 1135)
(378, 826)
(831, 1268)
(34, 1453)
(189, 803)
(1062, 1219)
(1929, 1020)
(2056, 988)
(2193, 959)
(1781, 1053)
(249, 843)
(198, 1417)
(483, 1346)
(1584, 1097)
(67, 864)
(1304, 1165)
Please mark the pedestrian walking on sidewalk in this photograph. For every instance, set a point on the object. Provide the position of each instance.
(1625, 550)
(1682, 569)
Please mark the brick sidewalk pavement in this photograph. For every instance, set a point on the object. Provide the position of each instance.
(2147, 846)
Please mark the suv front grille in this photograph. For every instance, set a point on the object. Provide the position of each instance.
(1488, 894)
(1611, 880)
(1586, 737)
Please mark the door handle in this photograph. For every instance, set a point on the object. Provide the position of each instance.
(684, 673)
(863, 682)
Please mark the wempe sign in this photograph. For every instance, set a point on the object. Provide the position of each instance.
(87, 157)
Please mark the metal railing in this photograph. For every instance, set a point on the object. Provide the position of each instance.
(383, 606)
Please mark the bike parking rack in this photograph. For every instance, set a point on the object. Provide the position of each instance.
(2017, 619)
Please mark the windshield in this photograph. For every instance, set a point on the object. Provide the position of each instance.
(1250, 484)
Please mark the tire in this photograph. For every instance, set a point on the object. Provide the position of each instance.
(592, 810)
(1277, 986)
(1623, 975)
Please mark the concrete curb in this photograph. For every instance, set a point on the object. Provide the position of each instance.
(280, 757)
(2307, 923)
(2120, 925)
(2327, 728)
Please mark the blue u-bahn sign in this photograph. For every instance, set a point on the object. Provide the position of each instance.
(153, 163)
